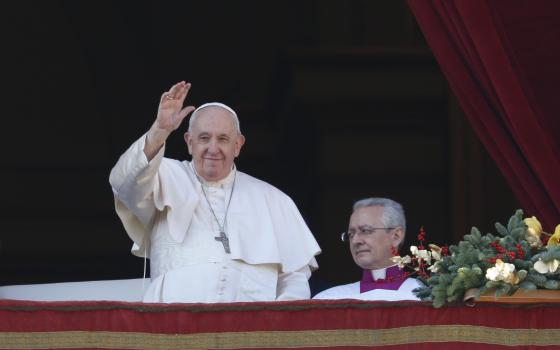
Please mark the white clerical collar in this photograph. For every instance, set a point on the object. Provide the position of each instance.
(380, 273)
(225, 182)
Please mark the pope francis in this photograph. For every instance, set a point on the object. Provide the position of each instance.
(212, 233)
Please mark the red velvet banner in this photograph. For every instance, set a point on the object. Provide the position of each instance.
(276, 325)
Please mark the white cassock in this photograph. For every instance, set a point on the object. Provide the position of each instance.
(352, 290)
(162, 206)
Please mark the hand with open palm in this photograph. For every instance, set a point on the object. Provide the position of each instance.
(169, 117)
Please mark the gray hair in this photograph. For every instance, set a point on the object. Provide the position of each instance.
(393, 212)
(215, 104)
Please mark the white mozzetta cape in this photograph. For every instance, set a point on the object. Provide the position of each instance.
(264, 225)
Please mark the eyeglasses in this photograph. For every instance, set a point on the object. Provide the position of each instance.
(365, 231)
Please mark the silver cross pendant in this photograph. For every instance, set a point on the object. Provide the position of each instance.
(225, 241)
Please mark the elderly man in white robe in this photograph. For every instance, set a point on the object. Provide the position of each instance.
(212, 233)
(376, 230)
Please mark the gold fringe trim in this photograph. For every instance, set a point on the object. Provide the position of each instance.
(280, 339)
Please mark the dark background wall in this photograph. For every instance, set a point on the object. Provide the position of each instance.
(338, 100)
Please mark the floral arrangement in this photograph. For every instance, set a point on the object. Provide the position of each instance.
(519, 255)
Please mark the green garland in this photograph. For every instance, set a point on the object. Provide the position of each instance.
(468, 262)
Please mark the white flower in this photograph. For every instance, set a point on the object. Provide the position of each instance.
(533, 241)
(534, 231)
(548, 267)
(534, 227)
(502, 272)
(434, 268)
(425, 255)
(492, 274)
(421, 254)
(402, 261)
(436, 252)
(436, 256)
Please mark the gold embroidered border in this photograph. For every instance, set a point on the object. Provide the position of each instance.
(280, 339)
(245, 307)
(206, 308)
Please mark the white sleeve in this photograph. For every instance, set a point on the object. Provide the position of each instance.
(294, 285)
(132, 180)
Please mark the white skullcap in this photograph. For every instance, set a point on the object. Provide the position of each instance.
(215, 104)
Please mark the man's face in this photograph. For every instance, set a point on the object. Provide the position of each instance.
(214, 143)
(372, 249)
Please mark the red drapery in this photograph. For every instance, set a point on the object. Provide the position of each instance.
(502, 61)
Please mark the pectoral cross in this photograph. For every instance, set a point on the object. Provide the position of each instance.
(225, 241)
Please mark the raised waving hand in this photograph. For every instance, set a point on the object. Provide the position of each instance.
(169, 117)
